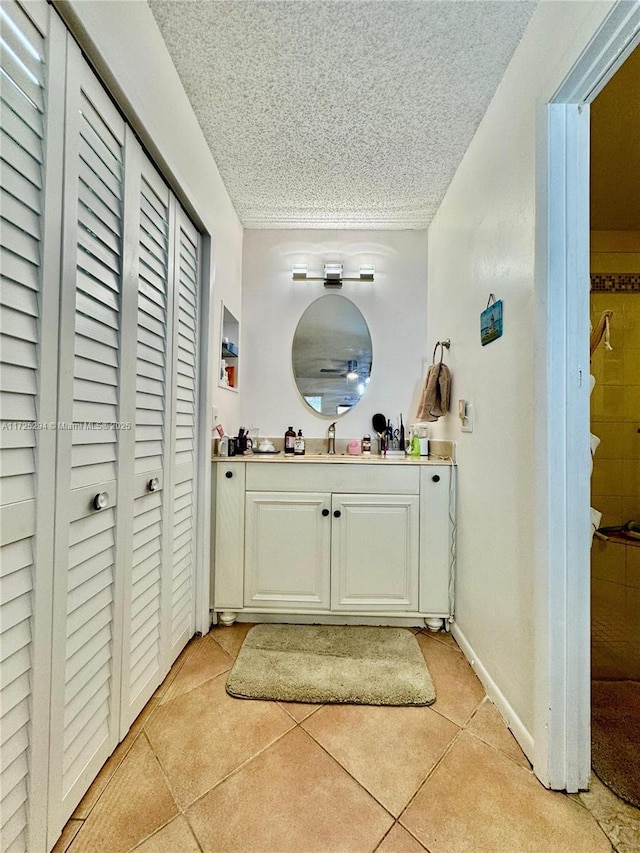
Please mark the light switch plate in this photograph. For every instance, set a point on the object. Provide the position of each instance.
(466, 423)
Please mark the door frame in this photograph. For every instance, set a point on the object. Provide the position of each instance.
(562, 721)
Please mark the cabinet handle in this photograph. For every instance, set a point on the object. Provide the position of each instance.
(436, 478)
(229, 475)
(325, 512)
(153, 485)
(337, 514)
(101, 500)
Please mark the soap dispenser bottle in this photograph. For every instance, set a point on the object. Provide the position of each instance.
(298, 447)
(289, 440)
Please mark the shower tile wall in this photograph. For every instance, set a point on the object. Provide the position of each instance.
(615, 610)
(615, 410)
(615, 487)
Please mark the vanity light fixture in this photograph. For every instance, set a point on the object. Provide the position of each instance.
(332, 274)
(299, 272)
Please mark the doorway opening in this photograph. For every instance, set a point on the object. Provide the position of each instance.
(615, 431)
(562, 736)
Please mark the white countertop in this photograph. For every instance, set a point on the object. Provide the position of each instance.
(340, 458)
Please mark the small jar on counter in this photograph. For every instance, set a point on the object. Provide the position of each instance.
(366, 445)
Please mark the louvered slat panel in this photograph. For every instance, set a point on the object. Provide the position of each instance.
(150, 360)
(20, 214)
(185, 415)
(19, 185)
(25, 136)
(22, 152)
(153, 238)
(150, 277)
(20, 160)
(182, 585)
(91, 555)
(98, 292)
(145, 655)
(86, 655)
(152, 321)
(96, 351)
(151, 304)
(146, 591)
(13, 99)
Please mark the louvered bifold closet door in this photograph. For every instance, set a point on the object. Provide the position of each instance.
(148, 577)
(29, 238)
(93, 429)
(185, 379)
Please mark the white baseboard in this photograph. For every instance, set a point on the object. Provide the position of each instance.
(511, 719)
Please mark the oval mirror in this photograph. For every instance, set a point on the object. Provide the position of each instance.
(331, 355)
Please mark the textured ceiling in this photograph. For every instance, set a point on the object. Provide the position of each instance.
(347, 113)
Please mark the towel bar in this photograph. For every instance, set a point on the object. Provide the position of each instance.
(446, 343)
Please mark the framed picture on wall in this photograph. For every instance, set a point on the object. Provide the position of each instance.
(491, 321)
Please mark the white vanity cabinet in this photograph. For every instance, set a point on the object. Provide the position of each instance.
(287, 550)
(375, 552)
(331, 538)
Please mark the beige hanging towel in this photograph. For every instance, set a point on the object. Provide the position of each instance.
(436, 393)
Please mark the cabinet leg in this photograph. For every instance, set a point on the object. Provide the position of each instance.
(228, 617)
(433, 623)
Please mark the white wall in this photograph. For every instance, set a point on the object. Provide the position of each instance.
(482, 241)
(125, 44)
(394, 306)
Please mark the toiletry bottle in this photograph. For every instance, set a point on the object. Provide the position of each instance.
(366, 445)
(289, 439)
(298, 445)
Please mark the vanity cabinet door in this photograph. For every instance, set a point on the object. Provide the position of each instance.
(287, 550)
(437, 511)
(375, 552)
(228, 541)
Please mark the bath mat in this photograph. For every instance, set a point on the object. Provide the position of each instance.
(615, 736)
(331, 663)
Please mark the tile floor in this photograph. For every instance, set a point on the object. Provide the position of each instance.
(201, 771)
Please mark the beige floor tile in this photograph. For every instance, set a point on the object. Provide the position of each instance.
(458, 689)
(201, 736)
(399, 841)
(478, 800)
(445, 637)
(620, 821)
(205, 660)
(489, 726)
(231, 637)
(389, 750)
(69, 832)
(175, 837)
(135, 803)
(292, 798)
(299, 710)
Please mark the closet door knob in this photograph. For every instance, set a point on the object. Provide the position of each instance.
(325, 512)
(229, 475)
(337, 514)
(101, 500)
(436, 478)
(154, 484)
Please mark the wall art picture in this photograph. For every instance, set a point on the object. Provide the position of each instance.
(491, 321)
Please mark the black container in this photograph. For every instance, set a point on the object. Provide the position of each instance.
(289, 441)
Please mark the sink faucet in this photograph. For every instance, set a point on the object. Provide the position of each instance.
(331, 441)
